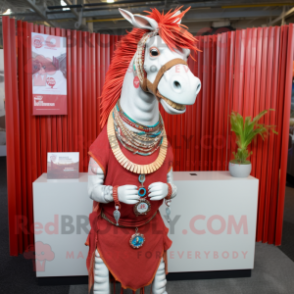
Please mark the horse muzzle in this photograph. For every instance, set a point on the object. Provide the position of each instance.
(175, 85)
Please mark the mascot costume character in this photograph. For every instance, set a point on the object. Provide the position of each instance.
(131, 162)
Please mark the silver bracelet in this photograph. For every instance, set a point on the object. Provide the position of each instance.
(174, 191)
(107, 193)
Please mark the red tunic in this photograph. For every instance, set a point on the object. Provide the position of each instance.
(133, 268)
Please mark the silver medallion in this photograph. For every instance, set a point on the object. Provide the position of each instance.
(142, 207)
(137, 240)
(116, 215)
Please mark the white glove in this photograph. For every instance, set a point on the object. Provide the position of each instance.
(157, 191)
(128, 194)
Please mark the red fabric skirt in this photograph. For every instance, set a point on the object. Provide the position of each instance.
(133, 268)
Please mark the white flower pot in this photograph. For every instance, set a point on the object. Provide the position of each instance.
(240, 170)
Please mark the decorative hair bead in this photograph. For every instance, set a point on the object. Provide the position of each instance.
(115, 196)
(170, 191)
(140, 55)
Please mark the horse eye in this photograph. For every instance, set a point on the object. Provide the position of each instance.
(154, 52)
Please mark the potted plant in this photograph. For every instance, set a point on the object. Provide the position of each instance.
(245, 133)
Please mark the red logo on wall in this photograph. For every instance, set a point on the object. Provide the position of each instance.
(136, 82)
(50, 82)
(38, 43)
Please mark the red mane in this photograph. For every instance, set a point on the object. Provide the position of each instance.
(174, 35)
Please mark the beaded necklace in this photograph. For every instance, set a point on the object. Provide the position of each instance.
(144, 150)
(142, 143)
(136, 125)
(142, 140)
(125, 162)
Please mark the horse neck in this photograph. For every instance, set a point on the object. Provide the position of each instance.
(140, 106)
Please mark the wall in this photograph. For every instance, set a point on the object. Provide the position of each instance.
(247, 71)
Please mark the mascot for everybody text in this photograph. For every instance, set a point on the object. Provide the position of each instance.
(130, 168)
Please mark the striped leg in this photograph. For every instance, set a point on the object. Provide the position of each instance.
(101, 276)
(159, 282)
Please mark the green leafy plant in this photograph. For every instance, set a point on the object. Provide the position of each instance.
(246, 132)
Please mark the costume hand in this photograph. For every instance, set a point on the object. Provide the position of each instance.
(157, 191)
(128, 194)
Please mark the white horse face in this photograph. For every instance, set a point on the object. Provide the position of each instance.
(178, 86)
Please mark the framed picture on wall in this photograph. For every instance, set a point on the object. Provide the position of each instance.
(49, 82)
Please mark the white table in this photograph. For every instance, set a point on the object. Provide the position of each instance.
(212, 229)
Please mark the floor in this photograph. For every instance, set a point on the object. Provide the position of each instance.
(16, 273)
(288, 225)
(273, 273)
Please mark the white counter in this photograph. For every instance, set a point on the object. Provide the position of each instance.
(213, 223)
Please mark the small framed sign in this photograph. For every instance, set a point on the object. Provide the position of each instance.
(63, 165)
(49, 74)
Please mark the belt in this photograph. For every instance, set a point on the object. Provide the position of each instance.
(131, 226)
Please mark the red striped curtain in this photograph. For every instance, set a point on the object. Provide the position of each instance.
(246, 71)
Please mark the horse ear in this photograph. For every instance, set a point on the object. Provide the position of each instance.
(146, 22)
(178, 20)
(139, 21)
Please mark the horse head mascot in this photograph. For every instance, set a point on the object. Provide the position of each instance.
(130, 168)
